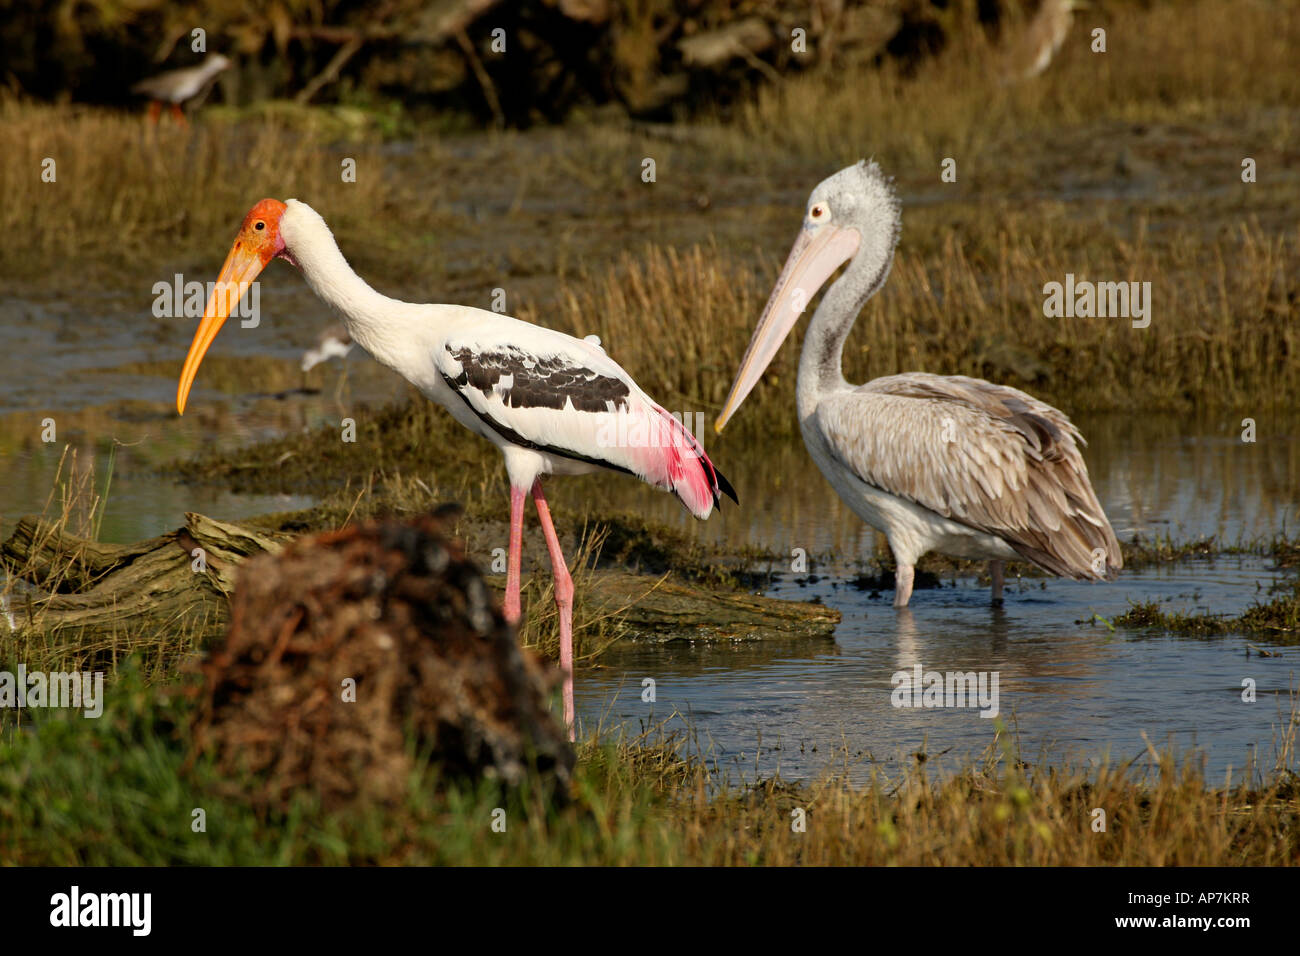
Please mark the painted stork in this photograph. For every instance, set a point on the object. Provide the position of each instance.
(177, 86)
(937, 462)
(552, 403)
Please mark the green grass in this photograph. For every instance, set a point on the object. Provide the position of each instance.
(1276, 620)
(121, 790)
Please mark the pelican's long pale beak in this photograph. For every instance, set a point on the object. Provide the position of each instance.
(817, 253)
(242, 266)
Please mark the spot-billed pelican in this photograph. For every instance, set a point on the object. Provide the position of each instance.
(937, 462)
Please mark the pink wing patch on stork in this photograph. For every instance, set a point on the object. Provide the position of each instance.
(566, 398)
(673, 459)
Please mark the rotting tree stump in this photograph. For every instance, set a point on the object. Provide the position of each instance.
(668, 610)
(179, 580)
(343, 643)
(153, 585)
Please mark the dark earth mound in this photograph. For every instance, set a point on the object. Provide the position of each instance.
(344, 643)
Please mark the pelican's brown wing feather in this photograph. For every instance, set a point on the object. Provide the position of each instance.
(988, 456)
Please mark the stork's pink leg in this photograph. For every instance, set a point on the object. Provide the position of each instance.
(155, 110)
(513, 558)
(563, 600)
(179, 115)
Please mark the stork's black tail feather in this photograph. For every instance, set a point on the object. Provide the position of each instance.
(724, 486)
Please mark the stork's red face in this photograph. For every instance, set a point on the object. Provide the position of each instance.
(256, 245)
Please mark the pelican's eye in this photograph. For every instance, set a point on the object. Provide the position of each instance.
(820, 212)
(259, 226)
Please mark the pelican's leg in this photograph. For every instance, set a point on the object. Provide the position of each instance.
(903, 584)
(563, 600)
(995, 572)
(513, 558)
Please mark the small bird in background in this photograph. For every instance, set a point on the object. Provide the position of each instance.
(334, 342)
(178, 86)
(1043, 38)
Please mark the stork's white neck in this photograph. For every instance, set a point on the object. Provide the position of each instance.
(379, 324)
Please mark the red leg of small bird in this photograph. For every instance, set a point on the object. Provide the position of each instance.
(513, 558)
(563, 600)
(179, 115)
(155, 110)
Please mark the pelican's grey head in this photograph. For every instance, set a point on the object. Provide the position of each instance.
(858, 197)
(852, 216)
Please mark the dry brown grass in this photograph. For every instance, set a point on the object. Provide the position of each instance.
(1157, 810)
(126, 191)
(1171, 62)
(1223, 332)
(678, 319)
(966, 293)
(594, 629)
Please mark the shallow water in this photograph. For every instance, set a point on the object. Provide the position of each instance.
(107, 379)
(1066, 690)
(1070, 690)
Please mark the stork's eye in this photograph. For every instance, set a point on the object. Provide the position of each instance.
(259, 226)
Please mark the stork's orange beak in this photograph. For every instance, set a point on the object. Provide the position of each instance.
(257, 244)
(241, 268)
